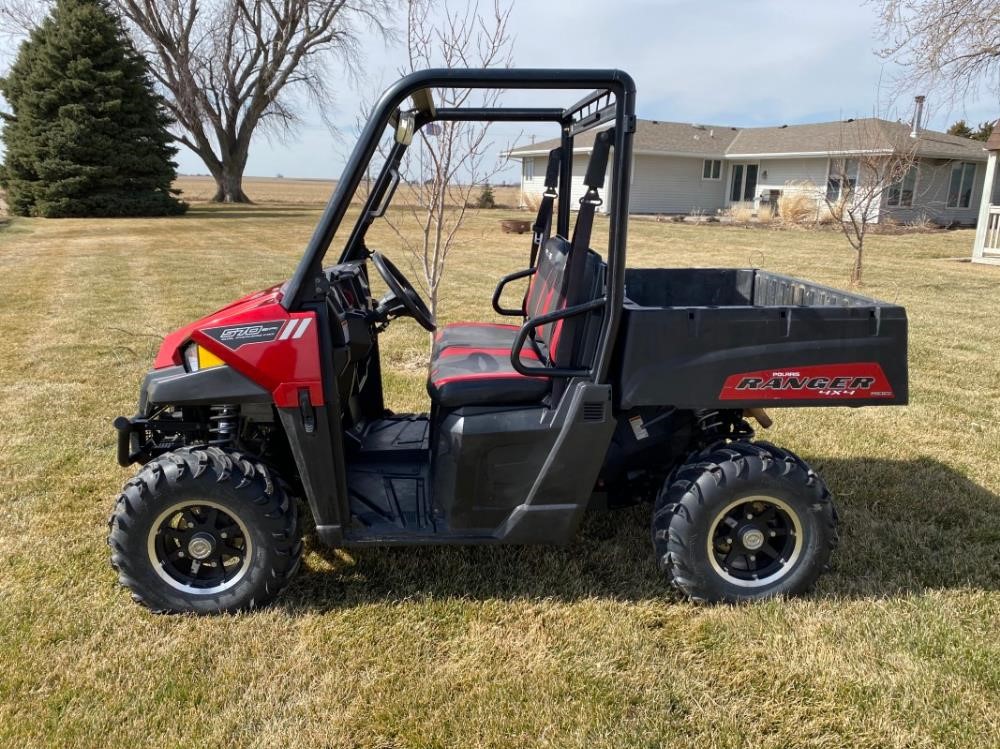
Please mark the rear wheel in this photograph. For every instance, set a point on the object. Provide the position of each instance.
(204, 530)
(744, 521)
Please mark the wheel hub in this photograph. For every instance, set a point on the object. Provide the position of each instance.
(752, 538)
(201, 545)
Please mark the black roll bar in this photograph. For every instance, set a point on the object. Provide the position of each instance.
(301, 287)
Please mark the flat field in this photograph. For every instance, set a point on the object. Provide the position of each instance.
(583, 646)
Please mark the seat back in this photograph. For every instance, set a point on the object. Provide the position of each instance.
(554, 287)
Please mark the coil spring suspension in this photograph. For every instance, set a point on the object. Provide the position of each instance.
(223, 422)
(714, 426)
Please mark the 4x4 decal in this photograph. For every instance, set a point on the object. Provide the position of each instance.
(824, 381)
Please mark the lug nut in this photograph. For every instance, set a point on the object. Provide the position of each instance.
(223, 535)
(749, 516)
(774, 533)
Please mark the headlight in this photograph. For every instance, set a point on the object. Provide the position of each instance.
(196, 357)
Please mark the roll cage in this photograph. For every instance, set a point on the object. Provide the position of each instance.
(612, 99)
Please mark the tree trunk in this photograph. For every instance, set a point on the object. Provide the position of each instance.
(856, 270)
(229, 186)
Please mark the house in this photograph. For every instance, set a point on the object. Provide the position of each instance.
(987, 244)
(682, 168)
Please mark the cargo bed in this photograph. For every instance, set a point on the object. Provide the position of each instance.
(738, 338)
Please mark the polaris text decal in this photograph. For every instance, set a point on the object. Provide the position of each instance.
(824, 381)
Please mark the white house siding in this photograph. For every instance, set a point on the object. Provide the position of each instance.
(673, 184)
(792, 175)
(931, 196)
(660, 184)
(536, 185)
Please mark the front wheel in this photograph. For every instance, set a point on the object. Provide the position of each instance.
(744, 521)
(204, 530)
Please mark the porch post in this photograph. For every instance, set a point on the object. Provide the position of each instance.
(984, 207)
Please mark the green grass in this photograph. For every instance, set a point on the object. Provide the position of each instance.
(579, 646)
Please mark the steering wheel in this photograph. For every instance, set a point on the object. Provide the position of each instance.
(401, 294)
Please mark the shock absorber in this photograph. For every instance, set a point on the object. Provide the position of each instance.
(712, 426)
(223, 421)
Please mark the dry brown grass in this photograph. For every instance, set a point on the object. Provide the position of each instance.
(499, 647)
(797, 206)
(740, 213)
(285, 191)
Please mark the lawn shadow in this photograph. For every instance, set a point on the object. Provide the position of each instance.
(905, 527)
(247, 212)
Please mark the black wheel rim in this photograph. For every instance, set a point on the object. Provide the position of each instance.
(755, 541)
(199, 547)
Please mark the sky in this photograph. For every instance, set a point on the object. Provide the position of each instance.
(720, 62)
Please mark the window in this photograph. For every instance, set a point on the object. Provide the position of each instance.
(529, 168)
(963, 177)
(900, 195)
(712, 169)
(842, 179)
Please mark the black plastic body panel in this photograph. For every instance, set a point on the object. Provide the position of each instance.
(176, 386)
(686, 331)
(312, 453)
(486, 461)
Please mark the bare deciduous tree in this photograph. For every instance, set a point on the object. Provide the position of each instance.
(230, 68)
(452, 158)
(871, 162)
(952, 46)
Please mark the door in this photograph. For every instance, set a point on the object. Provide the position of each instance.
(743, 185)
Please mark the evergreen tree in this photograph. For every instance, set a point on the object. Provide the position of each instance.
(960, 128)
(984, 132)
(87, 134)
(486, 198)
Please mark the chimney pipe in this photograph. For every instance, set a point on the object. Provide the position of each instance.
(918, 113)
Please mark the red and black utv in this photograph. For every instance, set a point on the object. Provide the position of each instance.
(611, 385)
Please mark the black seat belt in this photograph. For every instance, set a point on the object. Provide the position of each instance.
(580, 246)
(589, 203)
(543, 221)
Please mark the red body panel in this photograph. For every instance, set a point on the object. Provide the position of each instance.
(258, 338)
(820, 382)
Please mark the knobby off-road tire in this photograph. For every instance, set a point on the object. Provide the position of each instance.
(744, 521)
(204, 530)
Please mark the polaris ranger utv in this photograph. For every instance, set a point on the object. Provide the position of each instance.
(611, 385)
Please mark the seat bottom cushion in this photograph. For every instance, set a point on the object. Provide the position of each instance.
(474, 335)
(483, 376)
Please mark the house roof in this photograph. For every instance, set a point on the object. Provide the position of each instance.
(849, 136)
(867, 134)
(655, 136)
(993, 144)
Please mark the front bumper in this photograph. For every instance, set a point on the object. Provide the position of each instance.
(130, 435)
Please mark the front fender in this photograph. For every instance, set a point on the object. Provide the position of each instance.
(176, 386)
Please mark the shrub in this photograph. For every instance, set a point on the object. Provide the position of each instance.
(740, 213)
(486, 198)
(797, 208)
(922, 222)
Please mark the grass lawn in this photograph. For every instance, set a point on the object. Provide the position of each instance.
(572, 647)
